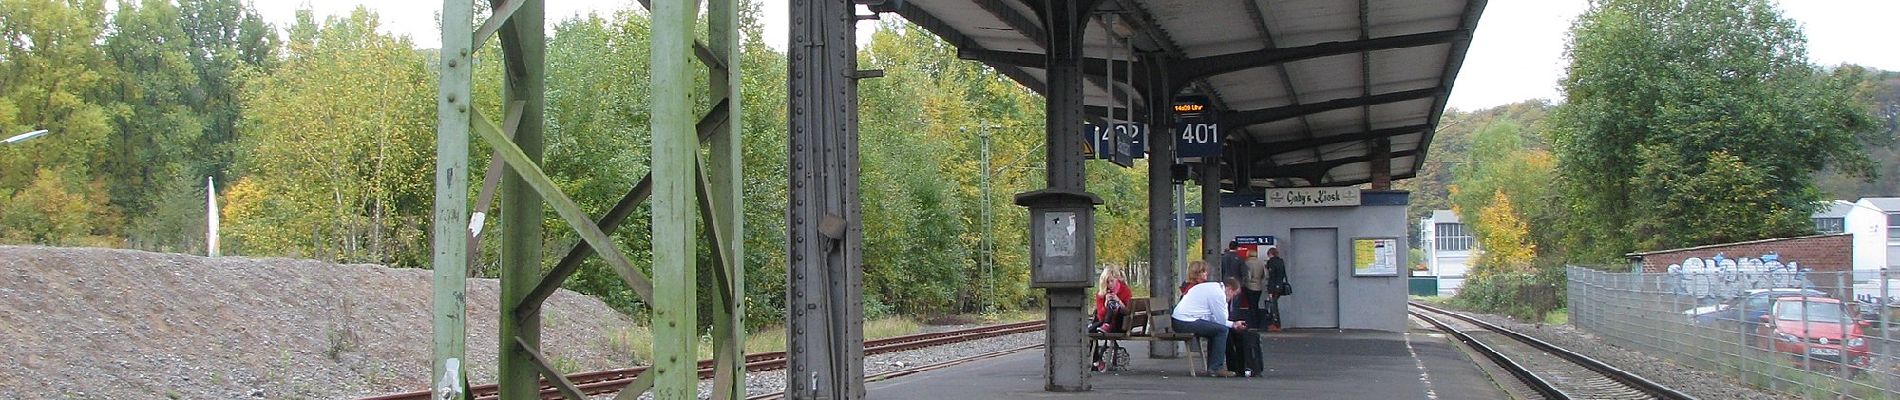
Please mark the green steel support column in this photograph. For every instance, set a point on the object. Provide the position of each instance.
(675, 150)
(524, 49)
(728, 197)
(450, 224)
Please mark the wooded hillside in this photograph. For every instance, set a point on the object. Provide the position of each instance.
(319, 136)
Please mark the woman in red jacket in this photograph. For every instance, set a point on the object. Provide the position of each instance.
(1108, 313)
(1111, 303)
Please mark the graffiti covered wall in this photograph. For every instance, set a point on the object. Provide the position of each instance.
(1720, 278)
(1717, 272)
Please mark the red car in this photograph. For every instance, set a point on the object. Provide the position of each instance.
(1817, 328)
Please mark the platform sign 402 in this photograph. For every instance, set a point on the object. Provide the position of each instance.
(1120, 143)
(1196, 130)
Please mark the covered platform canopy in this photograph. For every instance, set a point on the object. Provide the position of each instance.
(1308, 92)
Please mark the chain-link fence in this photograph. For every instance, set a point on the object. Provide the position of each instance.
(1809, 333)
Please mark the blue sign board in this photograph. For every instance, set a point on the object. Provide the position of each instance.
(1196, 130)
(1125, 149)
(1193, 219)
(1118, 143)
(1139, 140)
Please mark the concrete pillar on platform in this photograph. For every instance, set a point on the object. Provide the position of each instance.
(1066, 342)
(1162, 266)
(1211, 243)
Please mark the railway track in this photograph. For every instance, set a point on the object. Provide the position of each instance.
(611, 381)
(1551, 371)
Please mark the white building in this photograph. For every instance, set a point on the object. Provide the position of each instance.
(1448, 246)
(1831, 218)
(1875, 223)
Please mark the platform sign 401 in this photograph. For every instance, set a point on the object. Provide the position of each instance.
(1196, 129)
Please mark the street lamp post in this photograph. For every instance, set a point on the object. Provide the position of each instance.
(24, 136)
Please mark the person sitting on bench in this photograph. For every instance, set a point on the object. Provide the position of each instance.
(1203, 312)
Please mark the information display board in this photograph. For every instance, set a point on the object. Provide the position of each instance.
(1196, 129)
(1375, 257)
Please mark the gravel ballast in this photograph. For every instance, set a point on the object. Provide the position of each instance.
(1689, 380)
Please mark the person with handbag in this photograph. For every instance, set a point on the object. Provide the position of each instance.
(1276, 286)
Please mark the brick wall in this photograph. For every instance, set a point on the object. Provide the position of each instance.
(1815, 253)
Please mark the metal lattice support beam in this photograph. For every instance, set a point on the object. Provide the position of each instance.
(1288, 146)
(524, 49)
(449, 254)
(672, 183)
(723, 206)
(675, 318)
(825, 246)
(1265, 115)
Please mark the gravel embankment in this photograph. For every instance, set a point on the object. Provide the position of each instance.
(119, 324)
(1689, 380)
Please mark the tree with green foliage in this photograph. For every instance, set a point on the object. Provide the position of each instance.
(338, 148)
(1882, 90)
(154, 127)
(1510, 160)
(53, 76)
(229, 42)
(1503, 194)
(1451, 150)
(1656, 87)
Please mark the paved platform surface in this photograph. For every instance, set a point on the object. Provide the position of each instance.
(1302, 364)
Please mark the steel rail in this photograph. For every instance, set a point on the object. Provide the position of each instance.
(1537, 383)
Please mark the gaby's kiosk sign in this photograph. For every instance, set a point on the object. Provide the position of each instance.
(1312, 197)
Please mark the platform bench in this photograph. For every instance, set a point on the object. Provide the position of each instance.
(1136, 322)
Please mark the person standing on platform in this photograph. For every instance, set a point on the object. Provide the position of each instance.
(1203, 312)
(1255, 285)
(1233, 265)
(1233, 262)
(1276, 286)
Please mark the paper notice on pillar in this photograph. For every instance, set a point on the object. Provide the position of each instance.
(1059, 235)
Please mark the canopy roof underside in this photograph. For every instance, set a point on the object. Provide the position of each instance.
(1306, 89)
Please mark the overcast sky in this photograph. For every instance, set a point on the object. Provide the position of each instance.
(1516, 55)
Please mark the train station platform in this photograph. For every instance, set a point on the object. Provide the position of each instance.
(1301, 364)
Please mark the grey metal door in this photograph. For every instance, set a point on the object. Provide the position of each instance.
(1313, 269)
